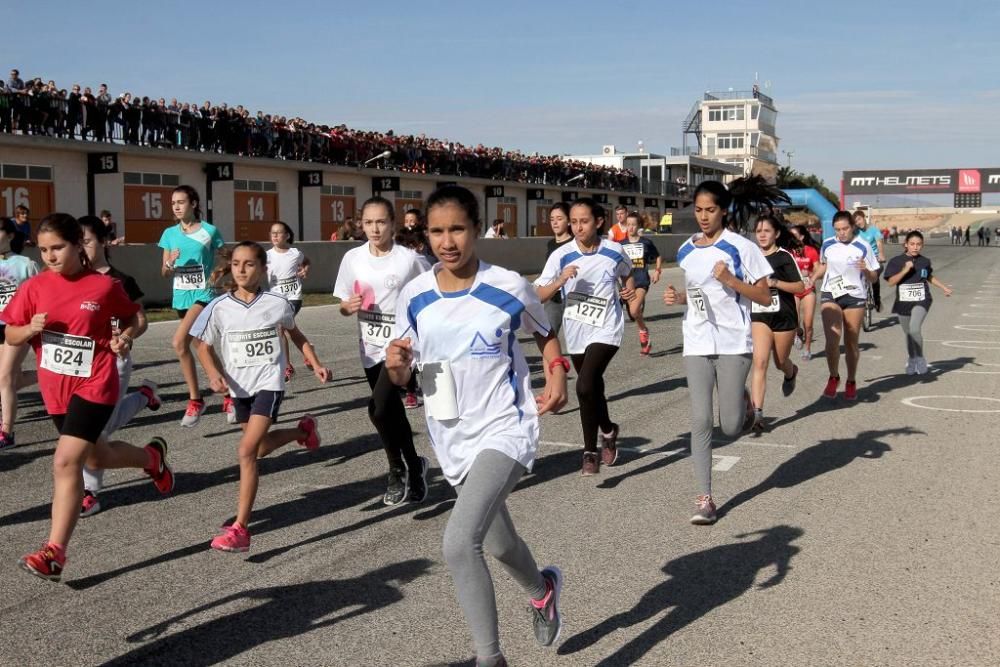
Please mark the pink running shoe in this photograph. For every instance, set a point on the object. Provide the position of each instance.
(308, 424)
(234, 538)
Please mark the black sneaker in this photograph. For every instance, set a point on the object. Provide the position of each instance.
(788, 386)
(396, 487)
(418, 482)
(546, 621)
(758, 422)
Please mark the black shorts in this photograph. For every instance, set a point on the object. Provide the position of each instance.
(296, 305)
(181, 313)
(845, 302)
(783, 320)
(263, 403)
(83, 419)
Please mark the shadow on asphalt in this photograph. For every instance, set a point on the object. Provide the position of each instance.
(279, 612)
(821, 458)
(699, 582)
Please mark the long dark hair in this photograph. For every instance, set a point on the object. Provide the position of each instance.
(596, 210)
(459, 196)
(68, 229)
(222, 273)
(288, 230)
(99, 230)
(16, 237)
(784, 239)
(193, 198)
(807, 237)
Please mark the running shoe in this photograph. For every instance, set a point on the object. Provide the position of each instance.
(234, 539)
(920, 367)
(148, 389)
(229, 407)
(644, 345)
(609, 446)
(545, 615)
(911, 366)
(851, 390)
(397, 487)
(411, 401)
(418, 482)
(193, 413)
(705, 514)
(831, 387)
(591, 464)
(90, 505)
(758, 422)
(806, 355)
(748, 411)
(289, 372)
(47, 563)
(799, 336)
(159, 470)
(6, 440)
(308, 424)
(788, 386)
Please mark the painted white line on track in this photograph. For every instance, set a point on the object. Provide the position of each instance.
(724, 463)
(986, 315)
(977, 327)
(972, 344)
(912, 402)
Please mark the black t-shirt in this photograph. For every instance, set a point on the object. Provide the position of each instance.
(785, 270)
(915, 283)
(642, 253)
(550, 248)
(128, 283)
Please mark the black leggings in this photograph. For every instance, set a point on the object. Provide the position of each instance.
(590, 367)
(385, 409)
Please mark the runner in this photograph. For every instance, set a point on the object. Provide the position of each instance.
(845, 263)
(806, 253)
(871, 234)
(561, 235)
(188, 251)
(96, 243)
(911, 274)
(641, 251)
(15, 268)
(618, 233)
(587, 272)
(723, 273)
(368, 284)
(65, 313)
(773, 326)
(460, 325)
(287, 267)
(246, 324)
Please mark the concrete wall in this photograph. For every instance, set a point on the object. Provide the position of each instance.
(524, 255)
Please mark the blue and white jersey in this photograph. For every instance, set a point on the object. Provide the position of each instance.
(717, 319)
(842, 278)
(475, 332)
(593, 310)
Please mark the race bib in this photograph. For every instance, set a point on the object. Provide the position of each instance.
(697, 305)
(290, 288)
(67, 355)
(376, 328)
(838, 288)
(912, 292)
(585, 308)
(772, 307)
(7, 291)
(634, 251)
(258, 347)
(189, 277)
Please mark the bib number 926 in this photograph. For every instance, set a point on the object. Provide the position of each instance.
(259, 349)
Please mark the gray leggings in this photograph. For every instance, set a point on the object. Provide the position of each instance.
(480, 519)
(554, 311)
(730, 372)
(911, 325)
(129, 405)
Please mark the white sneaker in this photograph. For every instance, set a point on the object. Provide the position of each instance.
(921, 367)
(911, 366)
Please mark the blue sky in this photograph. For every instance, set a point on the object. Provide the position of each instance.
(857, 84)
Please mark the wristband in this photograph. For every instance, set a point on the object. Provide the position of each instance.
(559, 361)
(125, 338)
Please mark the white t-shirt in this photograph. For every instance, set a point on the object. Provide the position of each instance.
(378, 280)
(475, 331)
(282, 272)
(717, 319)
(247, 338)
(592, 308)
(842, 279)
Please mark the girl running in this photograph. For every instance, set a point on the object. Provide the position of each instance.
(806, 253)
(723, 274)
(642, 252)
(287, 267)
(246, 324)
(459, 323)
(368, 284)
(15, 268)
(845, 263)
(96, 243)
(189, 249)
(587, 273)
(65, 313)
(561, 235)
(912, 275)
(773, 326)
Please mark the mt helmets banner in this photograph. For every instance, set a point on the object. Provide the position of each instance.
(922, 181)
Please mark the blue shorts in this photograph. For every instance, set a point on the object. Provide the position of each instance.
(263, 403)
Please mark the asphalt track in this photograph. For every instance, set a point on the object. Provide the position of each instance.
(862, 534)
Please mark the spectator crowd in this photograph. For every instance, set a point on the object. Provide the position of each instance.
(38, 107)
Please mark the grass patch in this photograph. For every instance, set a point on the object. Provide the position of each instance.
(166, 314)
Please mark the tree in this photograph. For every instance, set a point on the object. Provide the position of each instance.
(753, 195)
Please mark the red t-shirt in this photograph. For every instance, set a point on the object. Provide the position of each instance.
(81, 307)
(808, 258)
(618, 234)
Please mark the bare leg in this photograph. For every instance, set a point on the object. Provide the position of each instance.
(852, 331)
(636, 307)
(182, 347)
(11, 358)
(783, 341)
(833, 324)
(806, 316)
(762, 341)
(254, 432)
(278, 438)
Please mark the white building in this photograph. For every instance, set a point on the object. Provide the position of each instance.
(735, 127)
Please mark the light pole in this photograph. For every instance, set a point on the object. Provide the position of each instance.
(789, 155)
